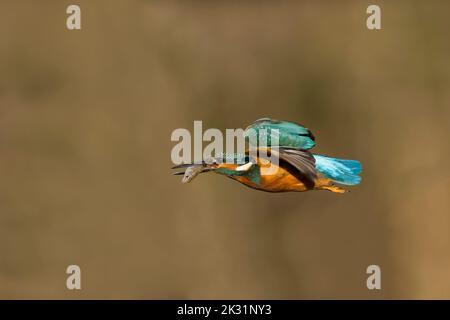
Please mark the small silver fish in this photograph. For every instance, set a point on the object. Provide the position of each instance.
(191, 173)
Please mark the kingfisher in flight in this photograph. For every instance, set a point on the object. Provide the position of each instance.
(297, 169)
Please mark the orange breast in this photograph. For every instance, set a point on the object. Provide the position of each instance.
(274, 179)
(278, 179)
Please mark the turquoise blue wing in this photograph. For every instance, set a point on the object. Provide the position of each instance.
(289, 134)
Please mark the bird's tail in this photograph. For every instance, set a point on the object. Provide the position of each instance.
(339, 170)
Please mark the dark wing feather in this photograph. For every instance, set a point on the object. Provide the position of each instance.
(299, 163)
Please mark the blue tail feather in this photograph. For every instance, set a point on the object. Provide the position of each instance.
(339, 170)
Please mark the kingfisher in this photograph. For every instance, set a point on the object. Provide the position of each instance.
(297, 169)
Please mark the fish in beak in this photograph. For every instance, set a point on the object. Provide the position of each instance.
(192, 170)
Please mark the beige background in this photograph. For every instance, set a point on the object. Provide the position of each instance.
(85, 124)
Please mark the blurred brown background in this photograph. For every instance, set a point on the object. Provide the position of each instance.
(85, 124)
